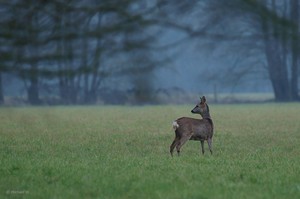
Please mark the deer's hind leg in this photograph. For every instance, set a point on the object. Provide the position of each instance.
(181, 142)
(174, 143)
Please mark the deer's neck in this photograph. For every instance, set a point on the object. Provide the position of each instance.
(206, 116)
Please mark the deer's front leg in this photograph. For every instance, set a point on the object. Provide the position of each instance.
(209, 141)
(202, 146)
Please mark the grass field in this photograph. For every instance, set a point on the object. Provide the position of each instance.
(123, 152)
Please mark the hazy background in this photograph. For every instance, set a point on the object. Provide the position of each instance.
(148, 52)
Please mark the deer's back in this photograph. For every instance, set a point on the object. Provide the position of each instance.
(198, 129)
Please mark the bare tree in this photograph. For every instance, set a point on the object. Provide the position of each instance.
(275, 30)
(260, 37)
(71, 45)
(1, 90)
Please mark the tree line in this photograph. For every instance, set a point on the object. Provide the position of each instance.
(268, 39)
(68, 48)
(257, 38)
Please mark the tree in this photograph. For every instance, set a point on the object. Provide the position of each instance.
(23, 30)
(280, 32)
(274, 29)
(71, 46)
(258, 35)
(1, 90)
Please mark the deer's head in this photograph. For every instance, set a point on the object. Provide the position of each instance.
(202, 108)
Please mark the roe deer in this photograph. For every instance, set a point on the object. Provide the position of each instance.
(194, 129)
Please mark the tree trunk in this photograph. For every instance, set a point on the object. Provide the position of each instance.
(90, 97)
(278, 74)
(1, 90)
(294, 75)
(33, 89)
(276, 56)
(295, 49)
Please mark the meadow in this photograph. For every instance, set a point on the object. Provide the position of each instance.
(123, 152)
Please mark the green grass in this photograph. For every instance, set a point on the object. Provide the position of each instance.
(123, 152)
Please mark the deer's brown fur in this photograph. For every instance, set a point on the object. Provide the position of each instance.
(194, 129)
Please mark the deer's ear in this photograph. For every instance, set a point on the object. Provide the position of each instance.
(203, 99)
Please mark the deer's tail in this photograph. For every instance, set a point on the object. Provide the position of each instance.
(175, 125)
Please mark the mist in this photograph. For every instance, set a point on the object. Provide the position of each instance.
(147, 52)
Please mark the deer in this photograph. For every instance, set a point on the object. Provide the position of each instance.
(187, 128)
